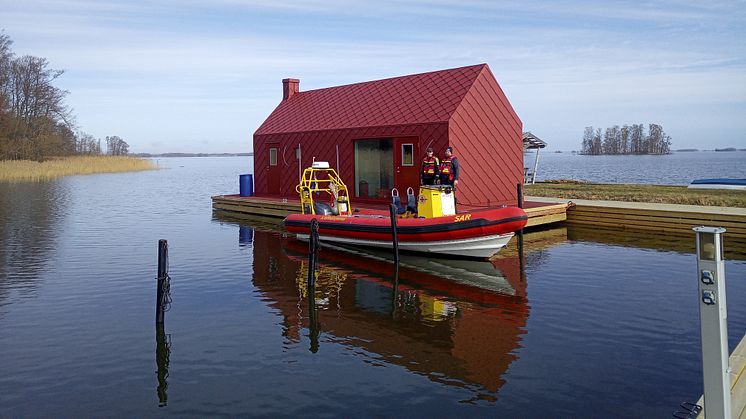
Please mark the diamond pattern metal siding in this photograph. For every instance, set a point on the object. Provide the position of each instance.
(470, 112)
(322, 145)
(485, 133)
(414, 99)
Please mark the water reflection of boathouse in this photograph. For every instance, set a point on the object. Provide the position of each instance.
(453, 333)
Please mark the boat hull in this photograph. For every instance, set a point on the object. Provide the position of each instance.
(478, 247)
(477, 234)
(737, 184)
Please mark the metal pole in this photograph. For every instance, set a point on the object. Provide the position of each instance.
(519, 187)
(313, 242)
(300, 158)
(395, 290)
(713, 316)
(338, 160)
(536, 167)
(394, 238)
(162, 276)
(313, 327)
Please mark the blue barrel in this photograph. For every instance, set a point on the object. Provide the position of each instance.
(246, 185)
(245, 236)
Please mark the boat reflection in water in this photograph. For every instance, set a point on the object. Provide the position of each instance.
(457, 322)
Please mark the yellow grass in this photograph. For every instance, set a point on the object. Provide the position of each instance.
(31, 171)
(640, 193)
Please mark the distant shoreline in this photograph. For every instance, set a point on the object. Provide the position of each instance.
(146, 155)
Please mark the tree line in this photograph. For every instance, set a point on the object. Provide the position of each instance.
(628, 139)
(35, 121)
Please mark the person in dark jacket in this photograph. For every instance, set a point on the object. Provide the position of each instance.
(430, 169)
(449, 169)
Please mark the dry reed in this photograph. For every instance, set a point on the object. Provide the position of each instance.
(31, 171)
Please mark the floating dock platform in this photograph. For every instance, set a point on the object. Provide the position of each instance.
(665, 219)
(539, 213)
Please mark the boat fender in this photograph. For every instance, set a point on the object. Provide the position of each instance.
(396, 200)
(411, 201)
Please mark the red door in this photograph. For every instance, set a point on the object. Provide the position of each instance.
(406, 165)
(273, 169)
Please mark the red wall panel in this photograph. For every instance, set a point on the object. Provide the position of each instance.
(322, 146)
(485, 133)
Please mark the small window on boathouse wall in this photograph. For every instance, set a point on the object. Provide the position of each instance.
(407, 154)
(273, 157)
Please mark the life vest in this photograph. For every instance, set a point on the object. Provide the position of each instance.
(445, 168)
(429, 165)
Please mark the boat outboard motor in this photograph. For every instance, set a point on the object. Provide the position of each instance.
(322, 208)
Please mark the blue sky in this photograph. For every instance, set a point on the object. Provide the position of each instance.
(196, 76)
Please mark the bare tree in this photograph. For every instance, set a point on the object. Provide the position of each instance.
(626, 140)
(35, 122)
(597, 149)
(587, 141)
(116, 146)
(88, 144)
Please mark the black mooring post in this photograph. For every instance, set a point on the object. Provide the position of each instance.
(394, 238)
(395, 291)
(313, 321)
(520, 195)
(313, 247)
(162, 276)
(521, 258)
(162, 359)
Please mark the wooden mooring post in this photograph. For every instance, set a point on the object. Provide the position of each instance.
(163, 282)
(519, 188)
(394, 238)
(162, 360)
(313, 248)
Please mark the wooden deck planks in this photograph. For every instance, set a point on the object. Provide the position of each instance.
(737, 362)
(662, 218)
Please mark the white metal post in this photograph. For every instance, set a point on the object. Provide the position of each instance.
(713, 316)
(536, 167)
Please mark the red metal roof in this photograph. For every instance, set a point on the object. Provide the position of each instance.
(418, 98)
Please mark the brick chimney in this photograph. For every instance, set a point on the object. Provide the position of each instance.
(289, 88)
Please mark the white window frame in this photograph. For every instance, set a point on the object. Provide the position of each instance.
(403, 163)
(273, 156)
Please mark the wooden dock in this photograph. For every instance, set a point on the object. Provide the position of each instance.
(539, 213)
(667, 219)
(737, 364)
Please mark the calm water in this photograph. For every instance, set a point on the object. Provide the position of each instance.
(673, 169)
(583, 324)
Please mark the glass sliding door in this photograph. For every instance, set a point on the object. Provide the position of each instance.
(374, 168)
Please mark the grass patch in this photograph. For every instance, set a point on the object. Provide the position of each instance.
(31, 171)
(640, 193)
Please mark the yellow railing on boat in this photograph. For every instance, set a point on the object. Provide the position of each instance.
(321, 179)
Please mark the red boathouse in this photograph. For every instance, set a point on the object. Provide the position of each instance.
(376, 133)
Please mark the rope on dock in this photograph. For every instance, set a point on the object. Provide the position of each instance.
(691, 411)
